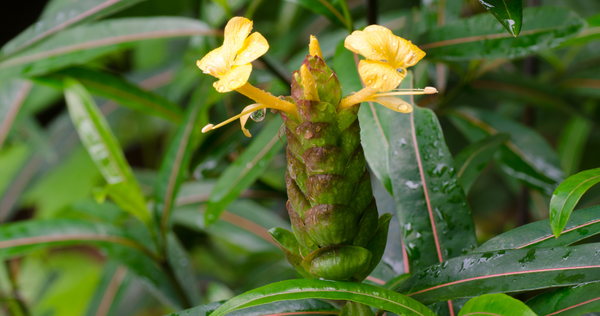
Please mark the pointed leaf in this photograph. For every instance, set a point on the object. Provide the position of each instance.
(118, 90)
(327, 8)
(567, 195)
(508, 12)
(481, 36)
(505, 271)
(302, 289)
(181, 263)
(84, 43)
(527, 156)
(299, 307)
(497, 305)
(568, 301)
(245, 169)
(101, 144)
(572, 142)
(475, 157)
(57, 19)
(110, 290)
(12, 96)
(581, 225)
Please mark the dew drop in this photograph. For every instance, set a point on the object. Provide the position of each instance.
(384, 77)
(259, 115)
(403, 107)
(220, 88)
(247, 54)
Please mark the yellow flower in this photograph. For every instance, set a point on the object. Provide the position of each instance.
(387, 57)
(231, 62)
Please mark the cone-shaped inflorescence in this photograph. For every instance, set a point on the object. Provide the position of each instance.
(334, 216)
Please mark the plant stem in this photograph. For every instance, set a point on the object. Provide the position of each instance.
(347, 16)
(185, 302)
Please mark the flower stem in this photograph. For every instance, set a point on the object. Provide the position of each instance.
(358, 97)
(267, 99)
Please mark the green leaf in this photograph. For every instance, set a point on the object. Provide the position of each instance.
(568, 301)
(481, 36)
(582, 224)
(440, 12)
(474, 158)
(508, 12)
(87, 42)
(101, 144)
(572, 143)
(302, 289)
(567, 195)
(299, 307)
(12, 96)
(432, 206)
(110, 291)
(245, 169)
(118, 90)
(373, 118)
(181, 264)
(527, 156)
(495, 304)
(57, 19)
(504, 271)
(175, 165)
(327, 8)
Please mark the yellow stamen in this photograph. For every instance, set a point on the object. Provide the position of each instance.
(314, 48)
(370, 94)
(269, 100)
(427, 90)
(356, 98)
(247, 111)
(309, 84)
(207, 128)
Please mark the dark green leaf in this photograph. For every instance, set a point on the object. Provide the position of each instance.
(582, 224)
(527, 156)
(475, 157)
(12, 96)
(181, 265)
(327, 8)
(504, 271)
(299, 307)
(302, 289)
(572, 143)
(497, 305)
(57, 19)
(567, 195)
(118, 90)
(110, 290)
(481, 36)
(245, 169)
(101, 144)
(569, 301)
(86, 42)
(508, 12)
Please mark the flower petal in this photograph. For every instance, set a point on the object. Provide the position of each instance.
(213, 63)
(235, 78)
(236, 32)
(244, 118)
(392, 103)
(379, 43)
(379, 76)
(254, 46)
(314, 49)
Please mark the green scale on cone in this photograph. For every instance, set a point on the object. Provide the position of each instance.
(337, 234)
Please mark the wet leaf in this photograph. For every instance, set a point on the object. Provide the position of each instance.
(301, 289)
(299, 307)
(118, 90)
(572, 143)
(581, 225)
(181, 265)
(12, 96)
(475, 157)
(497, 305)
(54, 20)
(101, 144)
(508, 12)
(567, 195)
(527, 156)
(568, 301)
(87, 42)
(245, 169)
(504, 271)
(481, 36)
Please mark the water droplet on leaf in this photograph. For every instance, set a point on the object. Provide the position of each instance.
(259, 115)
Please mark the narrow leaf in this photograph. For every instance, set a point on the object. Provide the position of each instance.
(481, 36)
(581, 225)
(118, 90)
(327, 8)
(301, 289)
(508, 12)
(527, 156)
(299, 307)
(495, 304)
(181, 263)
(12, 96)
(567, 195)
(58, 19)
(83, 43)
(568, 301)
(245, 169)
(475, 157)
(110, 290)
(504, 271)
(101, 144)
(572, 143)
